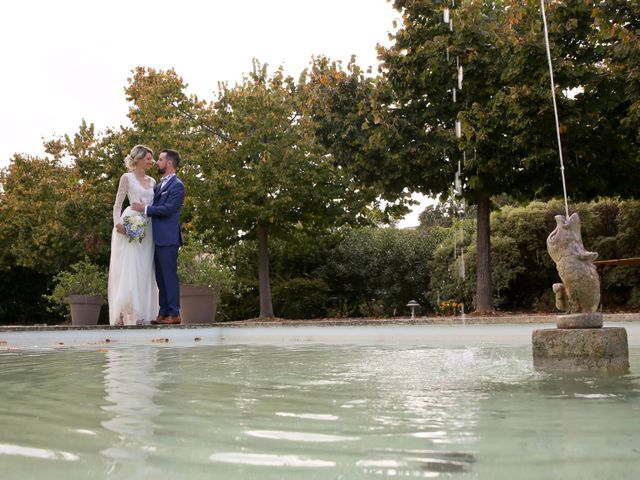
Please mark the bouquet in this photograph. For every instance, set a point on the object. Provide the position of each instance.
(134, 226)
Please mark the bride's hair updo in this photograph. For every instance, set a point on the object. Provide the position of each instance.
(137, 153)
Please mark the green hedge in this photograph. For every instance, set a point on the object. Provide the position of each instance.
(522, 270)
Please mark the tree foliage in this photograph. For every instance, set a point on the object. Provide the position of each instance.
(407, 116)
(163, 115)
(270, 171)
(504, 104)
(376, 271)
(34, 230)
(56, 209)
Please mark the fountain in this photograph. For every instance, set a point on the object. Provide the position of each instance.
(579, 342)
(358, 401)
(307, 401)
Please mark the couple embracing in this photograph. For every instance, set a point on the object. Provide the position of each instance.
(143, 270)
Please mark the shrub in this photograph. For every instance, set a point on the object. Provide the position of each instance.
(198, 265)
(300, 297)
(448, 307)
(82, 278)
(19, 286)
(376, 271)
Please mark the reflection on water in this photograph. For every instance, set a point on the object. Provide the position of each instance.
(311, 411)
(358, 412)
(17, 450)
(130, 382)
(562, 425)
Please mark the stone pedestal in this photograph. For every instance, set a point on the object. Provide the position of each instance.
(580, 320)
(579, 349)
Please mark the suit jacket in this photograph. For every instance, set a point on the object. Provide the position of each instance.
(165, 212)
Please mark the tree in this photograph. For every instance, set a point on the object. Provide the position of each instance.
(615, 32)
(403, 133)
(57, 209)
(32, 205)
(267, 175)
(95, 164)
(164, 116)
(344, 106)
(444, 213)
(422, 69)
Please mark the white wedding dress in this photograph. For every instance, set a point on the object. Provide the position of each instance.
(133, 293)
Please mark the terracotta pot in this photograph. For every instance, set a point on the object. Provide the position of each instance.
(198, 304)
(85, 309)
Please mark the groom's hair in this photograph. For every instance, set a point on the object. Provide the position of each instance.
(172, 155)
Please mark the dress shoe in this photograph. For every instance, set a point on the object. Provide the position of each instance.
(159, 319)
(174, 320)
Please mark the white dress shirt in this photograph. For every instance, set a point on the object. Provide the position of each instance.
(163, 182)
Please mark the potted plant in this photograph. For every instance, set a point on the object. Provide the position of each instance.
(82, 289)
(202, 278)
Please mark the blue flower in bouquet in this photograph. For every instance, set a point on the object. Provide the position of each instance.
(135, 226)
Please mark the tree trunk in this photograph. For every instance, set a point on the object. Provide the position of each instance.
(484, 299)
(264, 283)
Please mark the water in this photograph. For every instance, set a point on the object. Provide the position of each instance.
(325, 403)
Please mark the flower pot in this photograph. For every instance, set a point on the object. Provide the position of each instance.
(85, 309)
(198, 304)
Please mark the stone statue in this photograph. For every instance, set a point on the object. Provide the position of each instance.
(579, 291)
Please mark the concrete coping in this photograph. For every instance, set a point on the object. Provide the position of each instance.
(333, 322)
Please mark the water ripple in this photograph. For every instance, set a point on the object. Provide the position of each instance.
(270, 460)
(308, 416)
(299, 436)
(8, 449)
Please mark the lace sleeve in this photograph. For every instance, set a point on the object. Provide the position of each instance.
(122, 192)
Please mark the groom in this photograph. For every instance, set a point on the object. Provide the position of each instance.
(167, 203)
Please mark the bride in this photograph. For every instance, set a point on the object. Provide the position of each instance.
(133, 294)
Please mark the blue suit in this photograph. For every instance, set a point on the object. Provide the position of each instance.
(165, 212)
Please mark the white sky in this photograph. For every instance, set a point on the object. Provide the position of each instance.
(65, 60)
